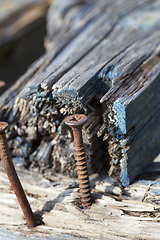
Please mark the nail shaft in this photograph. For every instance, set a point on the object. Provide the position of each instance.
(13, 178)
(76, 122)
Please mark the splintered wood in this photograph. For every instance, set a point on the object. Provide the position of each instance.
(102, 59)
(129, 213)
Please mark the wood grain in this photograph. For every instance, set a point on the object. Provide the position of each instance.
(102, 59)
(53, 200)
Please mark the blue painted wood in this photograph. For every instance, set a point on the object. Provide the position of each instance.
(140, 116)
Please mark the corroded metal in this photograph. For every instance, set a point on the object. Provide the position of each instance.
(2, 84)
(76, 122)
(13, 178)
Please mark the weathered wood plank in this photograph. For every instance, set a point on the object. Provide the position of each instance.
(135, 108)
(54, 201)
(113, 51)
(73, 16)
(92, 34)
(82, 82)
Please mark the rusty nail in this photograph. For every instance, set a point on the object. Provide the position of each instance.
(13, 178)
(2, 84)
(76, 122)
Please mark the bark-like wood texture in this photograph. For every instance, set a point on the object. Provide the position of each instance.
(102, 59)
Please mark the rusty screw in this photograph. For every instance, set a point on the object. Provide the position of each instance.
(76, 122)
(13, 178)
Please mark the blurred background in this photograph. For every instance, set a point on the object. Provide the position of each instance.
(22, 32)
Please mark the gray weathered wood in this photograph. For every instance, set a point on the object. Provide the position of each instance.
(114, 51)
(135, 109)
(116, 213)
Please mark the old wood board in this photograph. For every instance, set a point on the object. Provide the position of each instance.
(129, 213)
(105, 50)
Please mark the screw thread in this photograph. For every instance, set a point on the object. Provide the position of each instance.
(83, 176)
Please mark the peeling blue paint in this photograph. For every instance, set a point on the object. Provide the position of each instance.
(112, 75)
(120, 117)
(70, 92)
(109, 74)
(125, 178)
(34, 87)
(124, 172)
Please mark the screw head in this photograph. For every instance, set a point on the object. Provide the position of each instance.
(76, 120)
(3, 126)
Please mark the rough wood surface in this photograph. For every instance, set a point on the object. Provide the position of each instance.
(134, 116)
(108, 48)
(129, 213)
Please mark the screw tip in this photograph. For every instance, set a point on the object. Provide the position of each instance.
(3, 126)
(76, 120)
